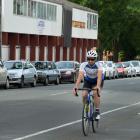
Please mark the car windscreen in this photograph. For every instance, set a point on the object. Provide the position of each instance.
(13, 65)
(118, 65)
(40, 65)
(65, 65)
(136, 64)
(109, 64)
(126, 64)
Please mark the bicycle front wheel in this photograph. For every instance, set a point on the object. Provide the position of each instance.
(85, 119)
(95, 123)
(93, 118)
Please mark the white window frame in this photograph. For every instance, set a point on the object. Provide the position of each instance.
(22, 9)
(92, 21)
(51, 12)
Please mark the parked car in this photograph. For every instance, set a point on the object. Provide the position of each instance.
(136, 64)
(21, 72)
(47, 72)
(127, 69)
(110, 70)
(4, 79)
(69, 70)
(102, 64)
(120, 69)
(133, 69)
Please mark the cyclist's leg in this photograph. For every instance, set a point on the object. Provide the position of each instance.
(97, 101)
(96, 97)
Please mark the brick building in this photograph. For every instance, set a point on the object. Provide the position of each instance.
(47, 30)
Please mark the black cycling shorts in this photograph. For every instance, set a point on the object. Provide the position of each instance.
(90, 85)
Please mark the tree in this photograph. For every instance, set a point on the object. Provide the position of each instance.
(117, 20)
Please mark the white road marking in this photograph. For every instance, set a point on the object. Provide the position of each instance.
(120, 108)
(59, 93)
(138, 113)
(47, 130)
(71, 123)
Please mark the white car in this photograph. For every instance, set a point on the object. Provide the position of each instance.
(136, 65)
(21, 72)
(133, 69)
(110, 70)
(4, 79)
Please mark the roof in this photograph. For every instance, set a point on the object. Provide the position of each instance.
(71, 5)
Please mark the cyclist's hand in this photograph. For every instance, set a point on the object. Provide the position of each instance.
(75, 91)
(98, 90)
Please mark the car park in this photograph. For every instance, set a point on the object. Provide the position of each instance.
(4, 79)
(69, 70)
(21, 72)
(47, 72)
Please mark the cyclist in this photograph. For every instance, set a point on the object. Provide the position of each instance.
(91, 72)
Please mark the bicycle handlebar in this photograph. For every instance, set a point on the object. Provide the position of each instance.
(88, 89)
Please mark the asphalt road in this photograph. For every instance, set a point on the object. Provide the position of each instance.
(53, 113)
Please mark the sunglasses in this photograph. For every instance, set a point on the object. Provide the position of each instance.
(91, 59)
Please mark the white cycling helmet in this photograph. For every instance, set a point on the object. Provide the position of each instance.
(92, 53)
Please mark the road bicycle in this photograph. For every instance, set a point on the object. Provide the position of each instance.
(88, 112)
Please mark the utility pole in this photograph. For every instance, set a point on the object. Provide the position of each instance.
(0, 29)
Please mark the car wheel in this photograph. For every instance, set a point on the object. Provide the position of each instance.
(131, 74)
(109, 77)
(57, 81)
(46, 81)
(135, 74)
(7, 85)
(113, 75)
(21, 85)
(60, 81)
(34, 82)
(105, 76)
(117, 76)
(74, 78)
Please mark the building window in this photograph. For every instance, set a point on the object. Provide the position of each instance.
(92, 21)
(32, 8)
(41, 10)
(20, 7)
(35, 9)
(51, 12)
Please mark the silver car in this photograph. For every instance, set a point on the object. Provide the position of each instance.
(47, 72)
(21, 72)
(4, 79)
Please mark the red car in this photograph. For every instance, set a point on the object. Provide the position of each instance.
(69, 70)
(120, 69)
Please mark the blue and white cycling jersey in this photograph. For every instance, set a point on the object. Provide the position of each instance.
(90, 72)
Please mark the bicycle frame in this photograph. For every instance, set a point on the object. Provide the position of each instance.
(89, 101)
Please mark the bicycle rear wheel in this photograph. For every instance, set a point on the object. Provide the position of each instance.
(85, 119)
